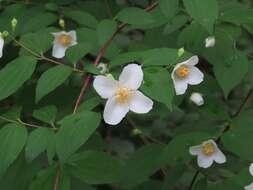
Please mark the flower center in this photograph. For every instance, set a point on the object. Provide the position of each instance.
(123, 95)
(65, 40)
(208, 149)
(182, 71)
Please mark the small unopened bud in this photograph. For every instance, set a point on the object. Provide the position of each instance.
(180, 52)
(62, 23)
(102, 68)
(197, 99)
(5, 34)
(136, 131)
(14, 23)
(210, 42)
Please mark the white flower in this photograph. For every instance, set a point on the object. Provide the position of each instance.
(186, 73)
(210, 41)
(197, 99)
(249, 187)
(62, 41)
(208, 152)
(1, 46)
(122, 95)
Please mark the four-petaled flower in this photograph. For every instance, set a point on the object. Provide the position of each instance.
(122, 95)
(62, 41)
(207, 153)
(186, 73)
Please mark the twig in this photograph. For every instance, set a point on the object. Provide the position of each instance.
(41, 56)
(193, 180)
(101, 52)
(240, 109)
(88, 79)
(57, 177)
(19, 121)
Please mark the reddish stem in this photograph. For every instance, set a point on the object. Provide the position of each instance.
(101, 52)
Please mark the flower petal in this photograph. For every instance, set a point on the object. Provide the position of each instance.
(140, 103)
(219, 157)
(195, 150)
(192, 61)
(72, 33)
(249, 187)
(131, 76)
(205, 161)
(1, 46)
(195, 77)
(58, 51)
(105, 86)
(180, 86)
(114, 112)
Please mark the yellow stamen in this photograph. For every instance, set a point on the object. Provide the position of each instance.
(182, 71)
(123, 95)
(208, 149)
(65, 40)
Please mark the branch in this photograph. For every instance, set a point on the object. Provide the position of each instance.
(101, 52)
(240, 109)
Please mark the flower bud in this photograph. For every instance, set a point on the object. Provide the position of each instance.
(5, 34)
(102, 68)
(180, 52)
(210, 42)
(14, 23)
(136, 131)
(62, 23)
(197, 98)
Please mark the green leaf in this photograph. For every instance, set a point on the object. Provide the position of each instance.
(37, 22)
(240, 136)
(39, 42)
(105, 30)
(77, 52)
(44, 179)
(13, 138)
(14, 113)
(38, 142)
(204, 12)
(169, 7)
(173, 176)
(82, 18)
(94, 167)
(232, 12)
(142, 164)
(13, 76)
(74, 132)
(25, 172)
(154, 79)
(46, 114)
(51, 79)
(192, 42)
(160, 56)
(135, 16)
(175, 24)
(225, 184)
(236, 66)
